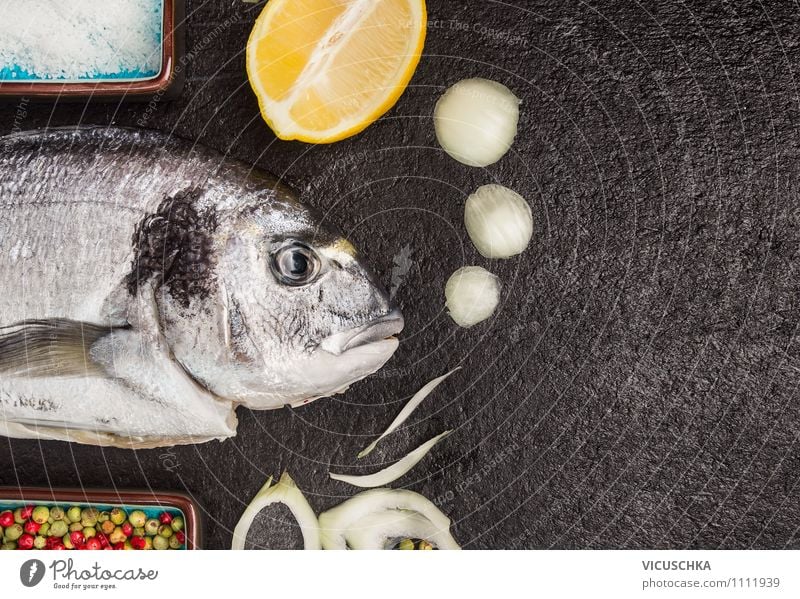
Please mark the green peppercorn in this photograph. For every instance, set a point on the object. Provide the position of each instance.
(128, 546)
(40, 514)
(18, 516)
(39, 542)
(74, 514)
(67, 542)
(177, 523)
(138, 532)
(103, 517)
(57, 513)
(89, 532)
(148, 543)
(75, 526)
(425, 546)
(406, 544)
(118, 516)
(13, 532)
(58, 528)
(151, 527)
(174, 543)
(1, 533)
(165, 530)
(89, 516)
(44, 529)
(160, 543)
(137, 518)
(117, 536)
(8, 545)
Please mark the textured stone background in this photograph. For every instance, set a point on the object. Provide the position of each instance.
(637, 388)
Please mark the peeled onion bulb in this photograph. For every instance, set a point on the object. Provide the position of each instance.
(476, 121)
(499, 221)
(472, 294)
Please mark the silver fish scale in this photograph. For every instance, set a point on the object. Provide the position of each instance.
(66, 240)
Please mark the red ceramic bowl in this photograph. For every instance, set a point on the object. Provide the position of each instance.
(166, 84)
(151, 502)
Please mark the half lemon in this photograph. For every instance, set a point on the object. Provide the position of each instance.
(324, 70)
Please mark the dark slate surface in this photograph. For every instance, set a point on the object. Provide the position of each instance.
(638, 386)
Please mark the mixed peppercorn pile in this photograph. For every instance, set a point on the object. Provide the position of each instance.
(43, 527)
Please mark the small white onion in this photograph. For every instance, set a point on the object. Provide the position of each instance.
(499, 221)
(476, 121)
(472, 294)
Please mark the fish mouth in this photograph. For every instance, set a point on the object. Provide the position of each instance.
(380, 329)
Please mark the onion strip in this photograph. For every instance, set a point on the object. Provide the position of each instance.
(372, 518)
(383, 529)
(412, 405)
(287, 493)
(393, 472)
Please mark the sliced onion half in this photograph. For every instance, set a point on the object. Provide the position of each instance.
(378, 518)
(407, 410)
(393, 472)
(287, 493)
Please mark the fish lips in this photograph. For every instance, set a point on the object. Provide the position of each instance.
(380, 329)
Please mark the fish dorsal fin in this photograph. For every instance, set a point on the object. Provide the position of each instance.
(51, 347)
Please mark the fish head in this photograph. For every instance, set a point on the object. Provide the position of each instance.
(298, 313)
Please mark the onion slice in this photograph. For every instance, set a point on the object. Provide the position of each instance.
(287, 493)
(393, 472)
(407, 410)
(382, 530)
(374, 518)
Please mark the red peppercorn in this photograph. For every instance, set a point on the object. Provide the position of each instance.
(25, 542)
(58, 546)
(77, 538)
(165, 518)
(26, 512)
(138, 542)
(93, 544)
(181, 536)
(6, 519)
(119, 545)
(127, 529)
(101, 536)
(32, 527)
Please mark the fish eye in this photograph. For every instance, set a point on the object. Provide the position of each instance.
(295, 264)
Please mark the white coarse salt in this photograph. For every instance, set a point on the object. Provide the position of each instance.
(80, 40)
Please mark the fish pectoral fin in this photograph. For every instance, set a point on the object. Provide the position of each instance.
(50, 347)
